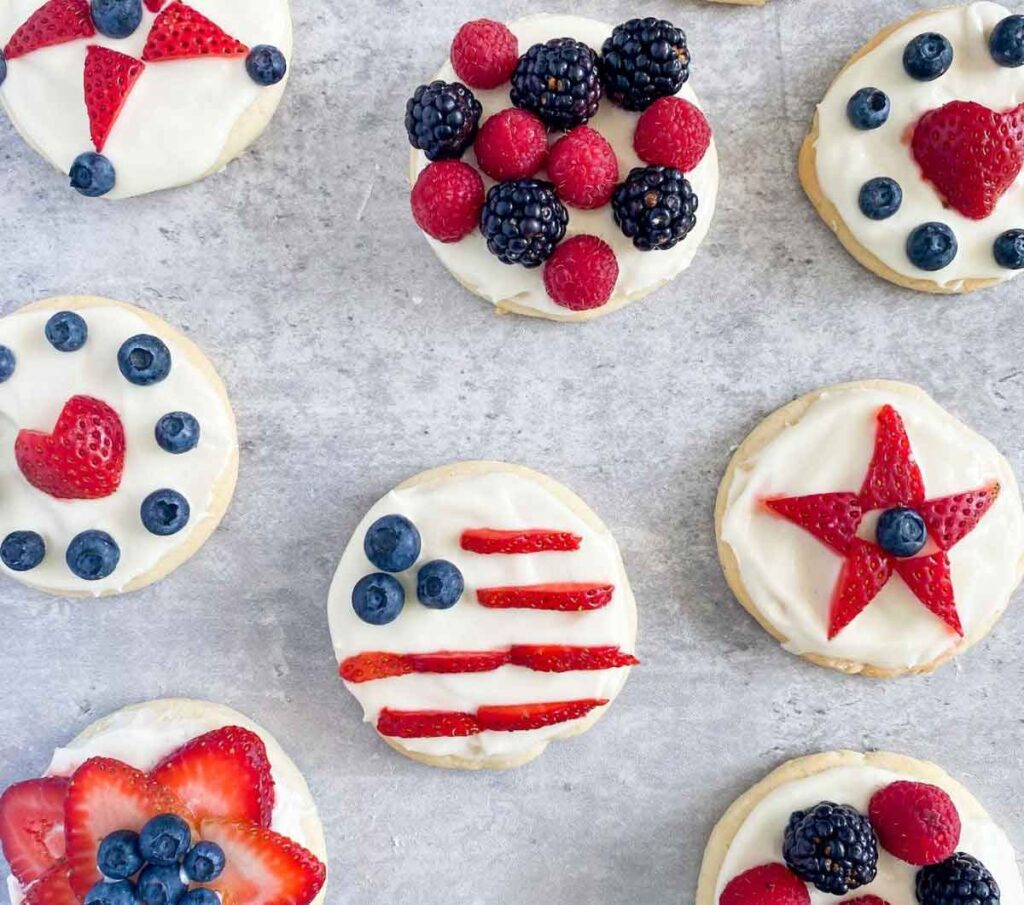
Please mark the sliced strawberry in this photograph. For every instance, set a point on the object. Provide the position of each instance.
(426, 723)
(930, 580)
(107, 795)
(367, 667)
(263, 867)
(109, 78)
(454, 661)
(562, 658)
(224, 773)
(515, 717)
(533, 540)
(181, 33)
(893, 477)
(154, 6)
(82, 459)
(566, 596)
(55, 22)
(864, 574)
(52, 888)
(951, 518)
(32, 826)
(833, 518)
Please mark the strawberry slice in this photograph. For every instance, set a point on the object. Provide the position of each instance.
(367, 667)
(533, 540)
(32, 826)
(55, 22)
(224, 773)
(52, 888)
(893, 477)
(562, 658)
(181, 33)
(930, 580)
(833, 518)
(109, 78)
(154, 6)
(454, 661)
(516, 717)
(82, 459)
(951, 518)
(107, 795)
(864, 574)
(566, 596)
(426, 723)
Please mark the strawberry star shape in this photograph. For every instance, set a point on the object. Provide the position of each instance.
(893, 480)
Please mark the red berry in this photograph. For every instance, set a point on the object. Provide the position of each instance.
(55, 22)
(32, 826)
(672, 133)
(181, 32)
(512, 144)
(581, 273)
(865, 900)
(769, 884)
(446, 200)
(109, 77)
(916, 822)
(530, 540)
(584, 169)
(484, 53)
(520, 717)
(562, 596)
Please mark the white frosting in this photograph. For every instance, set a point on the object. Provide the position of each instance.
(442, 510)
(639, 272)
(848, 157)
(177, 119)
(759, 839)
(43, 381)
(790, 575)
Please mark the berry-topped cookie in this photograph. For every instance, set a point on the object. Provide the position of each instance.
(870, 531)
(175, 801)
(118, 450)
(915, 151)
(480, 611)
(858, 829)
(562, 168)
(132, 96)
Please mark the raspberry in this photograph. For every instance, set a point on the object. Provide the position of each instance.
(672, 133)
(916, 822)
(484, 53)
(769, 884)
(512, 144)
(581, 273)
(584, 169)
(446, 200)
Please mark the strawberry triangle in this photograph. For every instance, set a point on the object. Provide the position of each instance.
(154, 6)
(109, 78)
(181, 33)
(55, 22)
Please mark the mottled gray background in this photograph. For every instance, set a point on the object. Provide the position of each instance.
(354, 360)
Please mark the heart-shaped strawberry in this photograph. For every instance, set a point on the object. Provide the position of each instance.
(84, 456)
(971, 154)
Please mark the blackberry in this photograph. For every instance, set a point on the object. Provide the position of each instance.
(832, 846)
(644, 59)
(959, 880)
(442, 119)
(655, 207)
(522, 221)
(559, 81)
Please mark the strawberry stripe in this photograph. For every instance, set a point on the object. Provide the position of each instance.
(533, 540)
(561, 596)
(554, 658)
(495, 718)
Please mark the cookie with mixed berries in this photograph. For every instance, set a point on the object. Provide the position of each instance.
(480, 611)
(132, 96)
(870, 531)
(173, 800)
(914, 153)
(560, 167)
(118, 448)
(861, 829)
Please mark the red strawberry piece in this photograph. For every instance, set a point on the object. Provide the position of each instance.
(581, 273)
(532, 540)
(224, 773)
(672, 132)
(893, 477)
(109, 78)
(562, 658)
(426, 723)
(512, 144)
(52, 888)
(154, 6)
(584, 168)
(951, 518)
(484, 53)
(263, 867)
(865, 900)
(447, 661)
(565, 596)
(866, 570)
(181, 33)
(769, 884)
(82, 459)
(516, 717)
(833, 518)
(373, 665)
(446, 200)
(930, 580)
(107, 795)
(55, 22)
(32, 826)
(971, 154)
(916, 822)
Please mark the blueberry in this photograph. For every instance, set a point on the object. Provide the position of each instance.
(3, 67)
(1009, 249)
(931, 246)
(204, 862)
(439, 584)
(392, 543)
(266, 64)
(177, 432)
(92, 174)
(200, 896)
(161, 884)
(93, 555)
(927, 56)
(22, 550)
(119, 856)
(868, 108)
(116, 18)
(7, 363)
(880, 198)
(144, 360)
(121, 892)
(164, 840)
(901, 531)
(165, 512)
(378, 598)
(67, 331)
(1006, 43)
